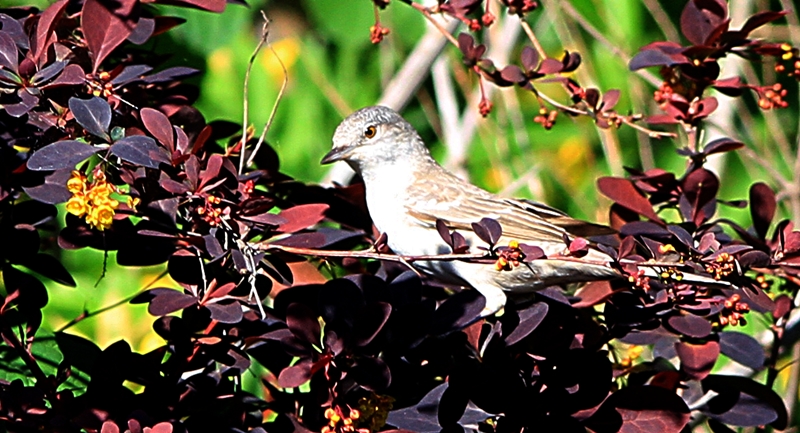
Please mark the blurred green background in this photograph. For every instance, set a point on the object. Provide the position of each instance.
(333, 69)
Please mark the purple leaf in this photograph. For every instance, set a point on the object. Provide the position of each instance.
(697, 360)
(228, 311)
(8, 53)
(170, 74)
(690, 325)
(60, 155)
(93, 114)
(54, 188)
(140, 150)
(47, 73)
(742, 348)
(130, 74)
(762, 208)
(166, 301)
(529, 319)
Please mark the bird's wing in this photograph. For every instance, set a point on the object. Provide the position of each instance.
(459, 204)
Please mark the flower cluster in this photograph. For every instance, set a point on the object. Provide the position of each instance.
(733, 311)
(374, 411)
(722, 266)
(92, 200)
(338, 422)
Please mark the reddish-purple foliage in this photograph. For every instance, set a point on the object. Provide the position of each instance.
(380, 344)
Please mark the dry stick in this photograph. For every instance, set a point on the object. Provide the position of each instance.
(265, 246)
(27, 357)
(662, 20)
(246, 90)
(625, 120)
(85, 315)
(274, 105)
(532, 36)
(586, 25)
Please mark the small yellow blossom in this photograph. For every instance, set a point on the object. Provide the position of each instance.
(77, 183)
(77, 205)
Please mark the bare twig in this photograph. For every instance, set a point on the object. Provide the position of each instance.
(532, 36)
(86, 314)
(246, 91)
(277, 98)
(586, 25)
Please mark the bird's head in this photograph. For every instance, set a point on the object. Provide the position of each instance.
(374, 136)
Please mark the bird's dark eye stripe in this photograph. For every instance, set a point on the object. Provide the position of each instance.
(370, 131)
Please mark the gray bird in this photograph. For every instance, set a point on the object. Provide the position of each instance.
(407, 191)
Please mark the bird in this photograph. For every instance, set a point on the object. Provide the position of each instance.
(407, 191)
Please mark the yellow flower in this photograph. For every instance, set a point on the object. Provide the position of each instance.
(100, 217)
(76, 183)
(77, 205)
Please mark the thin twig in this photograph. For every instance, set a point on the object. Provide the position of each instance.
(427, 13)
(597, 35)
(277, 98)
(246, 90)
(85, 315)
(625, 120)
(532, 36)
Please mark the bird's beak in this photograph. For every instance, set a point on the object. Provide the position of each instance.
(336, 154)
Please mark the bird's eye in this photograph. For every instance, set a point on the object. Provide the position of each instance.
(370, 131)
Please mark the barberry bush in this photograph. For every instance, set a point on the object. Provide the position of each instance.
(281, 309)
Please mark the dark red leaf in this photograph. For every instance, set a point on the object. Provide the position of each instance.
(529, 319)
(303, 323)
(742, 348)
(762, 208)
(721, 145)
(54, 188)
(60, 155)
(302, 216)
(700, 188)
(488, 230)
(783, 305)
(170, 74)
(106, 25)
(45, 28)
(744, 402)
(652, 57)
(759, 19)
(144, 29)
(610, 99)
(109, 427)
(625, 194)
(159, 126)
(130, 74)
(530, 59)
(208, 5)
(550, 66)
(593, 293)
(166, 301)
(229, 311)
(71, 76)
(296, 375)
(700, 17)
(48, 266)
(690, 325)
(641, 409)
(321, 238)
(370, 322)
(140, 150)
(9, 55)
(93, 114)
(697, 360)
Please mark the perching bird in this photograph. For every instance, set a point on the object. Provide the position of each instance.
(407, 191)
